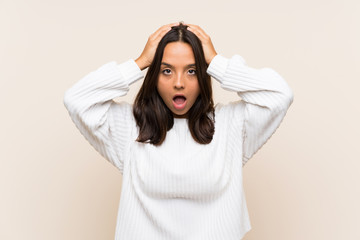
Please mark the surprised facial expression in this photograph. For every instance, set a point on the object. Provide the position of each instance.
(177, 83)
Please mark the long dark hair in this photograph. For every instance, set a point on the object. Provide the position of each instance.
(153, 117)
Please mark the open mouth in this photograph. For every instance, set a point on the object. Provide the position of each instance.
(179, 101)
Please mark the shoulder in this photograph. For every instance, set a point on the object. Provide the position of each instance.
(230, 109)
(122, 106)
(230, 115)
(122, 114)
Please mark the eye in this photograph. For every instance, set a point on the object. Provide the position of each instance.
(192, 71)
(166, 71)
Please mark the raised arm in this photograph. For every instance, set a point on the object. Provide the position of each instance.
(265, 95)
(104, 123)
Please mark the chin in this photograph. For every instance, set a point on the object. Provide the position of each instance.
(180, 115)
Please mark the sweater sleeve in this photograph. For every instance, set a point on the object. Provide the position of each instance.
(104, 123)
(265, 99)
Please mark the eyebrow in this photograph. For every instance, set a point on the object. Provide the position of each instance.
(169, 65)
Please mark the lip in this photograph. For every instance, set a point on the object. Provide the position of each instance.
(179, 94)
(179, 106)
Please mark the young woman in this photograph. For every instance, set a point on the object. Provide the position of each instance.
(181, 157)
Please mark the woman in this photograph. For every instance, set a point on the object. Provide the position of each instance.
(181, 157)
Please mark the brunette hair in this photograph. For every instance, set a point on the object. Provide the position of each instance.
(152, 115)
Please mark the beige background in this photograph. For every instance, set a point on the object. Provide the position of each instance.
(303, 184)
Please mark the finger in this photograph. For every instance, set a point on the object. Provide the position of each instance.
(174, 24)
(161, 34)
(198, 31)
(169, 25)
(162, 29)
(202, 38)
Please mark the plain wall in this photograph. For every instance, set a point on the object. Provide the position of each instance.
(304, 182)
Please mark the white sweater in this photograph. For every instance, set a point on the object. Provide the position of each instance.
(192, 192)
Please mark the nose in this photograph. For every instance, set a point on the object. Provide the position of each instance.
(179, 81)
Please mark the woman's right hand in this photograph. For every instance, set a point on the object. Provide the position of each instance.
(148, 53)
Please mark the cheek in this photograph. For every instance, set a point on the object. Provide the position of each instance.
(196, 89)
(162, 88)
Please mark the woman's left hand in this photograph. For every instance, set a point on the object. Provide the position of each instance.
(209, 50)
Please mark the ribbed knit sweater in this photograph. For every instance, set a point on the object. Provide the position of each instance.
(181, 190)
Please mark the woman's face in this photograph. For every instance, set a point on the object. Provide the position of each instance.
(177, 83)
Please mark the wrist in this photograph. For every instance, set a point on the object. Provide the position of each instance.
(140, 63)
(212, 57)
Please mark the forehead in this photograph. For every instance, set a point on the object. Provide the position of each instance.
(178, 53)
